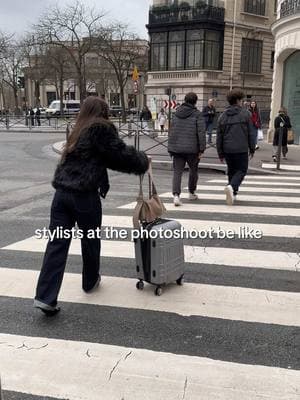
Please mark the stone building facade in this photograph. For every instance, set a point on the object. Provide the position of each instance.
(286, 83)
(209, 47)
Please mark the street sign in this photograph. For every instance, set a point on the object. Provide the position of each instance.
(170, 104)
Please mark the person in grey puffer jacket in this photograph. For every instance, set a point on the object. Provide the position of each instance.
(187, 142)
(236, 140)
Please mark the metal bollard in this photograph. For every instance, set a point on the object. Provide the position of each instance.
(279, 145)
(67, 131)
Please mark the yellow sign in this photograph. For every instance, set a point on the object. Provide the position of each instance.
(135, 74)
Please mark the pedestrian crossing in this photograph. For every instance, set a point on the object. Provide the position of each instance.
(205, 340)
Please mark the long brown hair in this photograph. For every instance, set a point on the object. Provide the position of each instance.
(94, 110)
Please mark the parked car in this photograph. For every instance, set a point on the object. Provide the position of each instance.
(70, 107)
(42, 111)
(115, 111)
(133, 110)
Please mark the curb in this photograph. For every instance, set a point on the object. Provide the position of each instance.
(32, 131)
(167, 165)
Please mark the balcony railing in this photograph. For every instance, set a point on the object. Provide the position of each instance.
(184, 12)
(289, 7)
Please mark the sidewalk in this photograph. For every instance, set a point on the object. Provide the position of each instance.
(262, 162)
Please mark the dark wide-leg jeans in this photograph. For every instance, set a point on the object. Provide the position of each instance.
(179, 161)
(237, 165)
(67, 209)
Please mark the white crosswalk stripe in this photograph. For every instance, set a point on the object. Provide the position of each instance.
(79, 369)
(194, 299)
(193, 254)
(136, 373)
(216, 208)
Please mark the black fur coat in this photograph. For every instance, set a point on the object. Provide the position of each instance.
(85, 168)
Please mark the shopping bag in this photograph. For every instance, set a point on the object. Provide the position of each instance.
(260, 134)
(290, 136)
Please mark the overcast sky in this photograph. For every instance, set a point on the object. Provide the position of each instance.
(18, 15)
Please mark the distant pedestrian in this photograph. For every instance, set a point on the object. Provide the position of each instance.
(235, 142)
(187, 142)
(209, 113)
(256, 120)
(38, 116)
(281, 121)
(146, 118)
(162, 120)
(80, 179)
(31, 116)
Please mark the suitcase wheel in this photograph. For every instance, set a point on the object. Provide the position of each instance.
(158, 291)
(140, 285)
(180, 281)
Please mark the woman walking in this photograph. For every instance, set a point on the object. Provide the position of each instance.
(79, 179)
(256, 119)
(282, 121)
(162, 120)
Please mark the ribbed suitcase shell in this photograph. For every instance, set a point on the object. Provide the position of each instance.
(160, 261)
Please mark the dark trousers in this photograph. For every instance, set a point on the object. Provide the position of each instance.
(179, 161)
(237, 165)
(67, 209)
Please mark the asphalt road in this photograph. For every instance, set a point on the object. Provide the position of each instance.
(26, 168)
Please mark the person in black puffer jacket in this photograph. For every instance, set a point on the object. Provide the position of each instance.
(236, 139)
(79, 179)
(187, 143)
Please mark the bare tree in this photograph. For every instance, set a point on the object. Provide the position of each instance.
(11, 64)
(71, 28)
(121, 49)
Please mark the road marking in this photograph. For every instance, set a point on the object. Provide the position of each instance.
(225, 209)
(241, 197)
(128, 373)
(279, 178)
(193, 254)
(224, 302)
(248, 189)
(282, 167)
(276, 230)
(279, 183)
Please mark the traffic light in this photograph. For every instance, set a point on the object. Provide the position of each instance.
(21, 82)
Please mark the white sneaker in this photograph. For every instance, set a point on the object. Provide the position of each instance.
(229, 195)
(177, 201)
(193, 196)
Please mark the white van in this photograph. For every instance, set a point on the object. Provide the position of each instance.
(70, 107)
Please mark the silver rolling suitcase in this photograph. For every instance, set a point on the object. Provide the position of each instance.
(160, 255)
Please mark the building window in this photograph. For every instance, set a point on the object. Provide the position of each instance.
(176, 50)
(195, 49)
(203, 49)
(212, 50)
(191, 49)
(251, 57)
(257, 7)
(159, 51)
